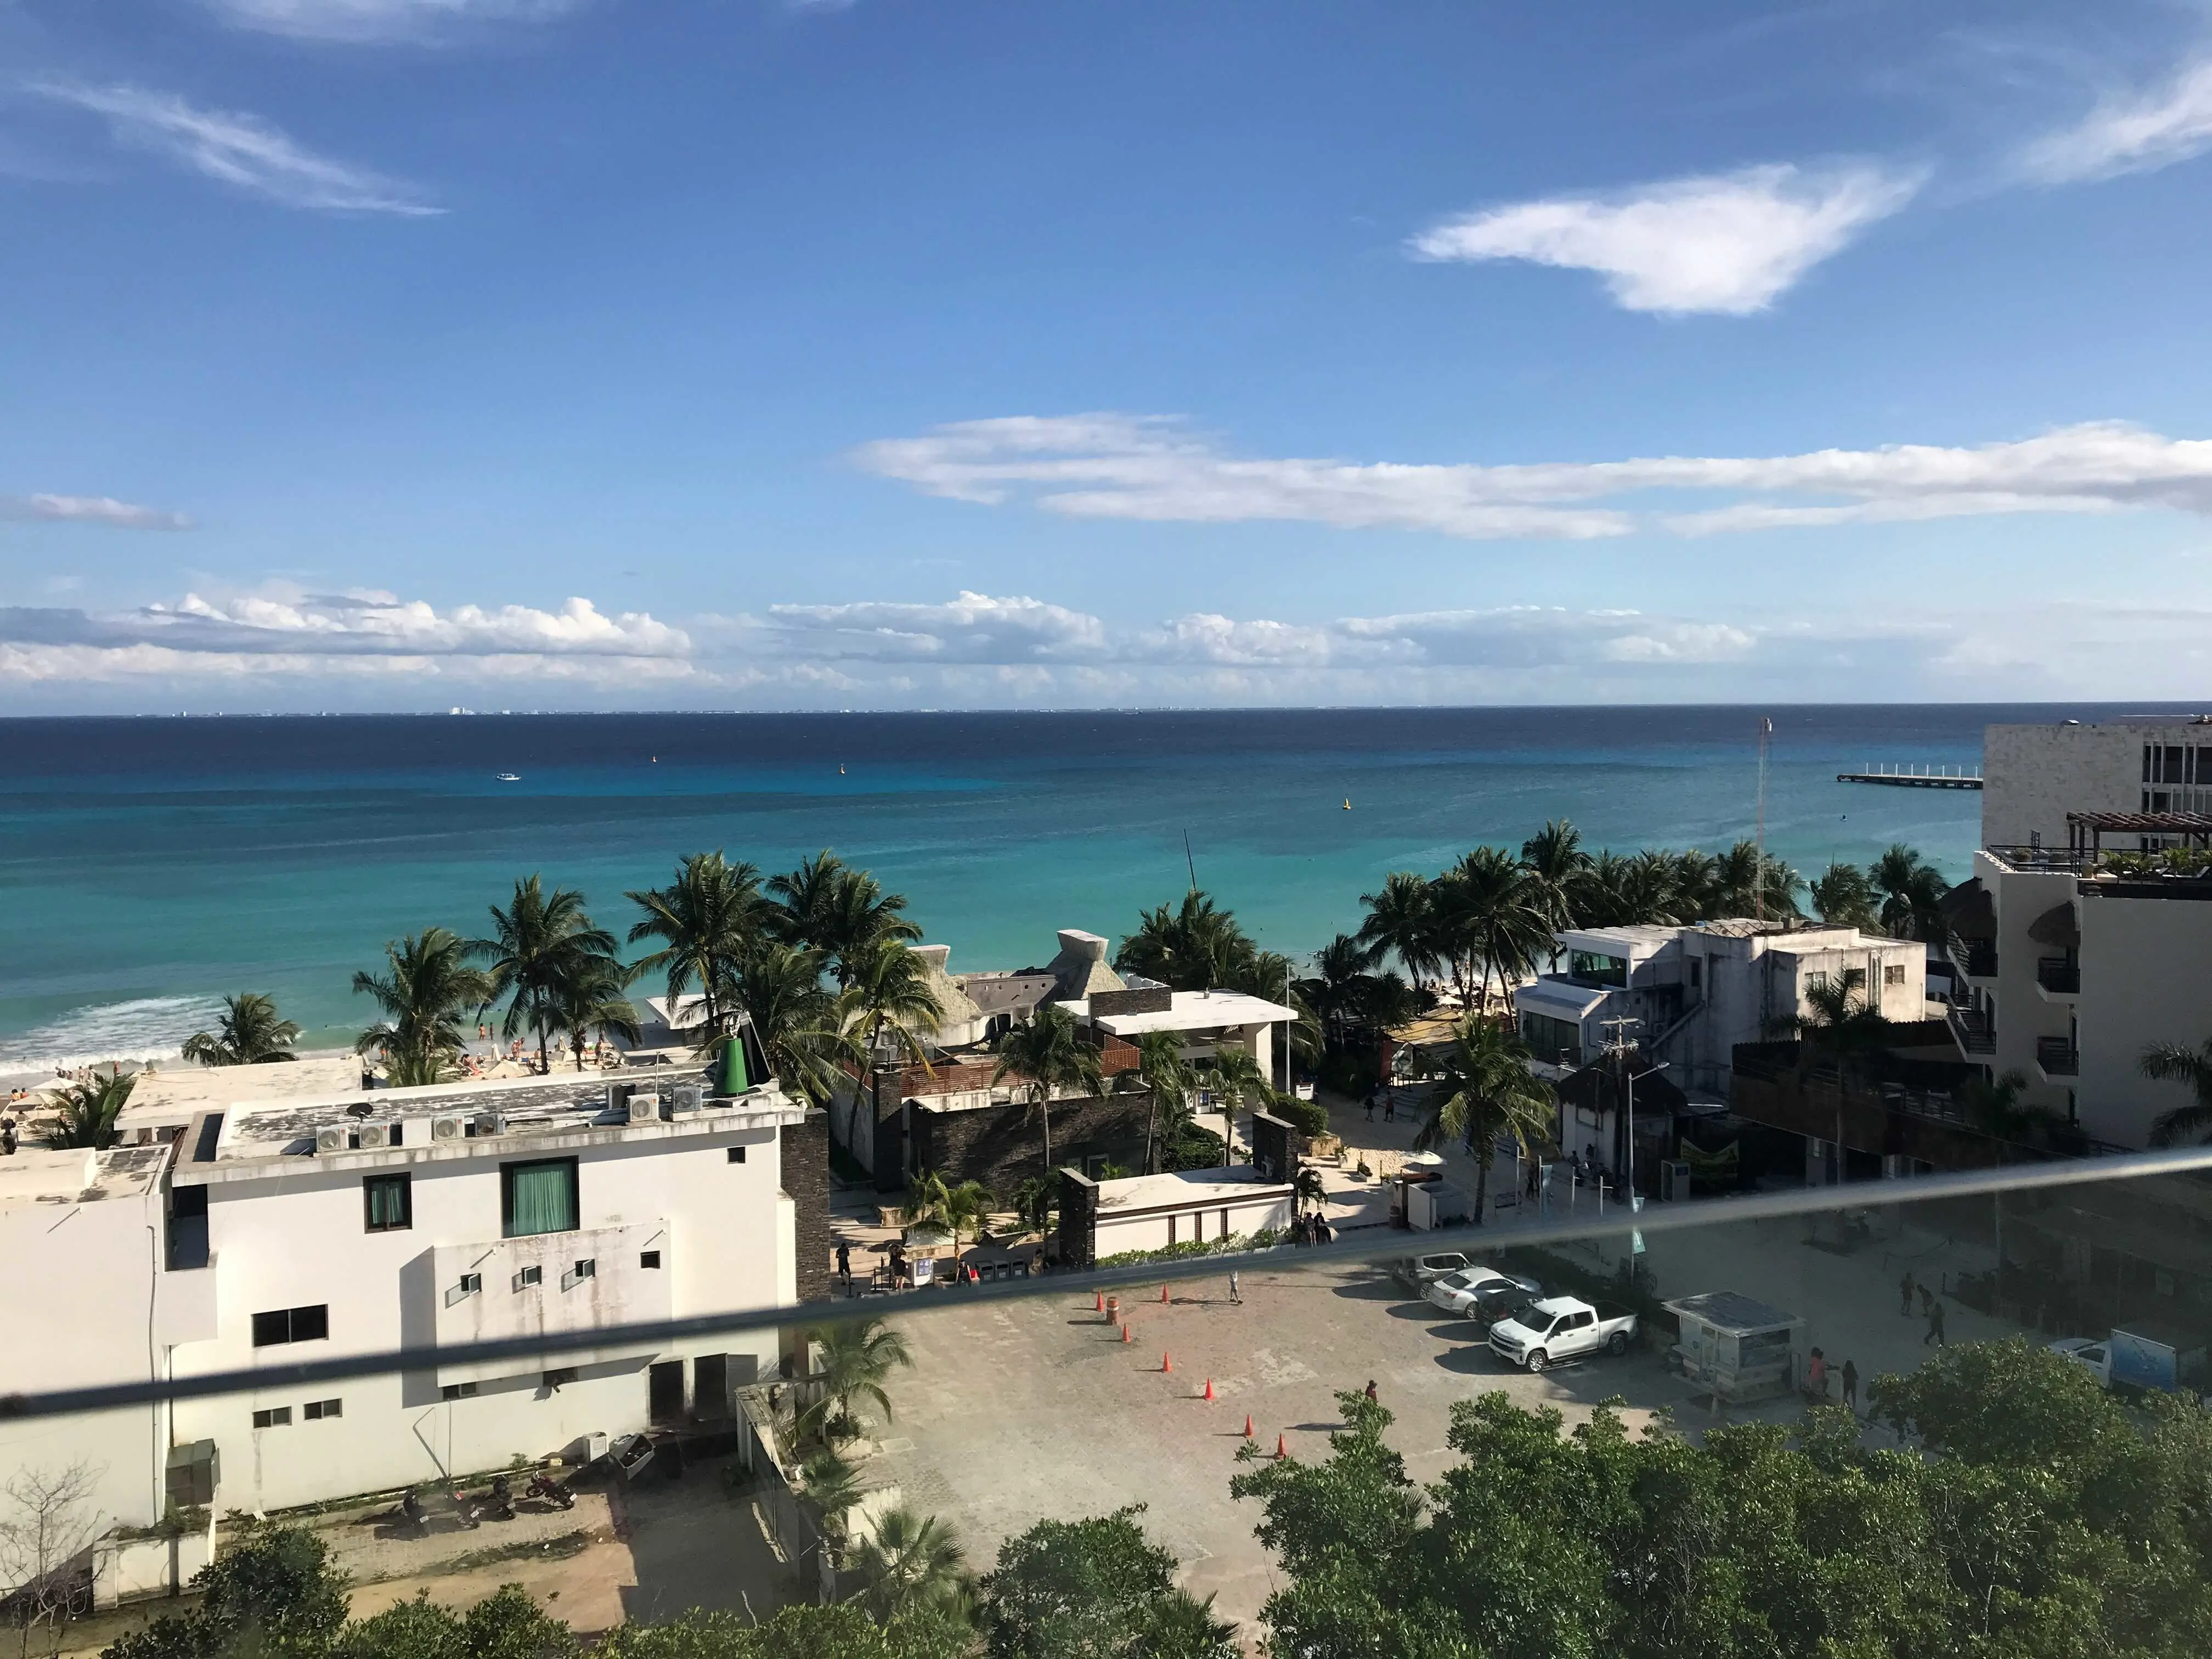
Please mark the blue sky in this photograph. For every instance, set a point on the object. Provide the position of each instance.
(402, 354)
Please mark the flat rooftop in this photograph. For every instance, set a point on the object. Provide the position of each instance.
(79, 1174)
(1191, 1010)
(173, 1094)
(1185, 1187)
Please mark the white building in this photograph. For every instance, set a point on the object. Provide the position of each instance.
(1101, 1219)
(1695, 992)
(2071, 969)
(282, 1232)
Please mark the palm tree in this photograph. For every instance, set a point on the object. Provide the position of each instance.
(1651, 890)
(857, 1359)
(539, 943)
(910, 1563)
(1496, 918)
(1486, 1089)
(1911, 891)
(800, 1025)
(1558, 874)
(1193, 947)
(1035, 1200)
(1306, 1187)
(1236, 1077)
(963, 1208)
(427, 989)
(1161, 1071)
(706, 920)
(250, 1033)
(85, 1113)
(1050, 1054)
(888, 1003)
(592, 1000)
(840, 911)
(1997, 1110)
(1180, 1625)
(2171, 1062)
(1695, 885)
(1845, 898)
(1401, 920)
(833, 1487)
(1340, 986)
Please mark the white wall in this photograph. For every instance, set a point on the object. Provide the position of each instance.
(1247, 1212)
(76, 1289)
(2024, 1012)
(298, 1238)
(2146, 968)
(2034, 775)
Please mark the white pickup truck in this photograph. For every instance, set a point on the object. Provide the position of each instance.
(1561, 1328)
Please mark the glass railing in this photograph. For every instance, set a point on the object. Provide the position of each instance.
(1947, 1413)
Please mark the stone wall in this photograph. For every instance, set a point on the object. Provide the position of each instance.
(1276, 1147)
(806, 1182)
(1001, 1146)
(1078, 1220)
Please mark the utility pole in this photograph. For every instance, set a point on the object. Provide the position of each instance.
(1619, 1048)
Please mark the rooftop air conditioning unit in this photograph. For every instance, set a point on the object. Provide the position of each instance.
(619, 1095)
(374, 1136)
(645, 1108)
(490, 1124)
(330, 1138)
(687, 1099)
(449, 1126)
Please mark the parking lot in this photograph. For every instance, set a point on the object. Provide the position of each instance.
(1024, 1411)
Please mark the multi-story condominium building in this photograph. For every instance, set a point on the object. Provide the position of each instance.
(1694, 993)
(2075, 960)
(285, 1230)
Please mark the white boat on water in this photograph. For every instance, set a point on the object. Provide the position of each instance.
(509, 777)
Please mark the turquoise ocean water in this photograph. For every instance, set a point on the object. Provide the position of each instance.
(147, 866)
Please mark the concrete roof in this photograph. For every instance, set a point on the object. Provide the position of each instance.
(1193, 1011)
(1185, 1187)
(176, 1094)
(41, 1176)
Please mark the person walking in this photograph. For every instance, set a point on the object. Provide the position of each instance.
(845, 1265)
(1816, 1375)
(1389, 1107)
(1850, 1385)
(1934, 1325)
(1369, 1103)
(1236, 1291)
(1370, 1392)
(1904, 1294)
(1927, 1302)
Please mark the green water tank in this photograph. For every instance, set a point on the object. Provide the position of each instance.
(733, 1078)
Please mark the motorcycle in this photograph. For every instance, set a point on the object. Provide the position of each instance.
(498, 1504)
(412, 1511)
(553, 1490)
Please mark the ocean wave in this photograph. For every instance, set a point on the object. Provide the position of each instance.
(144, 1027)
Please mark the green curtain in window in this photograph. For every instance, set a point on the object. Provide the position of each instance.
(387, 1203)
(541, 1199)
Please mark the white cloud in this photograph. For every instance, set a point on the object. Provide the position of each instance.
(2133, 131)
(90, 509)
(1153, 468)
(240, 150)
(973, 628)
(1729, 243)
(382, 20)
(368, 634)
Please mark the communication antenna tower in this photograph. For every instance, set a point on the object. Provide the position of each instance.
(1759, 873)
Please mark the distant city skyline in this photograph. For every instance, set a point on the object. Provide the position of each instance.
(759, 354)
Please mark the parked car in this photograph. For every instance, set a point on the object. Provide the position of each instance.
(1455, 1292)
(1495, 1302)
(1418, 1271)
(1562, 1327)
(2091, 1353)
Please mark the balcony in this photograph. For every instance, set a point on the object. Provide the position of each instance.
(1974, 1032)
(1978, 960)
(2057, 1057)
(2059, 976)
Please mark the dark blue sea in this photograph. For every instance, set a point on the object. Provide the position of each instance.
(149, 865)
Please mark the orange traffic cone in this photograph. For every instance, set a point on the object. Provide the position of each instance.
(1126, 1337)
(1281, 1450)
(1248, 1426)
(1167, 1362)
(1163, 1292)
(1098, 1300)
(1208, 1394)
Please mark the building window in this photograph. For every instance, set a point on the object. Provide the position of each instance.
(1854, 978)
(737, 1154)
(538, 1198)
(388, 1202)
(528, 1277)
(648, 1260)
(276, 1417)
(1816, 981)
(1559, 1042)
(1893, 973)
(292, 1325)
(318, 1409)
(1697, 971)
(587, 1268)
(1593, 969)
(554, 1379)
(457, 1391)
(471, 1283)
